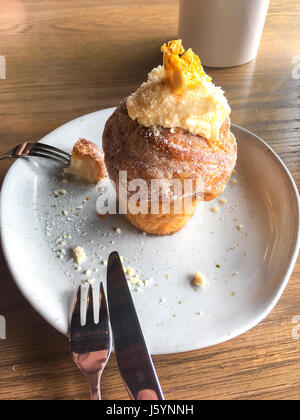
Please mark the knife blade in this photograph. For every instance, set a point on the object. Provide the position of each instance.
(134, 361)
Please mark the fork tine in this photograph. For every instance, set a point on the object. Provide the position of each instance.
(91, 344)
(48, 155)
(103, 310)
(76, 315)
(47, 147)
(90, 308)
(50, 150)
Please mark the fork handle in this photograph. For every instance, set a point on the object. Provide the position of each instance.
(6, 155)
(95, 395)
(94, 383)
(16, 152)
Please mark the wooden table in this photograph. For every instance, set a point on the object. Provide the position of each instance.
(65, 59)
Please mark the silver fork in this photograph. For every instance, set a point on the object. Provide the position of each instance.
(91, 343)
(39, 150)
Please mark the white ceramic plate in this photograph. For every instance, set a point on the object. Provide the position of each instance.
(246, 270)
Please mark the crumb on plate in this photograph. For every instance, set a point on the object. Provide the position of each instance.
(79, 254)
(199, 279)
(129, 270)
(214, 209)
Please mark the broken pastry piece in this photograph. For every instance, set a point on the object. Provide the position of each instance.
(87, 162)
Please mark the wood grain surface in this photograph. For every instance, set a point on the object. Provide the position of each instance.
(68, 58)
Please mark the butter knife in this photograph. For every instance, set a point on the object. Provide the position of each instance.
(134, 361)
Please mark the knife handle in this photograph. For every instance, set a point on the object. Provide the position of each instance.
(149, 395)
(145, 394)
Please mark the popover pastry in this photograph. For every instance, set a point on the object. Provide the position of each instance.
(87, 162)
(175, 127)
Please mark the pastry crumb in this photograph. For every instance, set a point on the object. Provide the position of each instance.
(233, 181)
(133, 280)
(199, 279)
(223, 200)
(86, 282)
(147, 282)
(214, 209)
(79, 254)
(240, 227)
(140, 283)
(59, 192)
(129, 271)
(118, 230)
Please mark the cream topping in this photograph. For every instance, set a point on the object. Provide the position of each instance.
(201, 109)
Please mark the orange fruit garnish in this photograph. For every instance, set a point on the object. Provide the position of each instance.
(183, 69)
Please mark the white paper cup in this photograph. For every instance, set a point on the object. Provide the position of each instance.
(224, 33)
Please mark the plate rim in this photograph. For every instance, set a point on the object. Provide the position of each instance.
(237, 332)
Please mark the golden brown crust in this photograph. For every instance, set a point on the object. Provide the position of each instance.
(155, 154)
(85, 148)
(87, 162)
(162, 153)
(162, 224)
